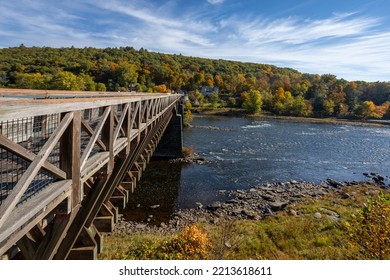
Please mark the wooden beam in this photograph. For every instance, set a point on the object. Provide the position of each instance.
(17, 192)
(27, 155)
(53, 238)
(79, 222)
(94, 138)
(108, 139)
(86, 248)
(16, 109)
(24, 219)
(27, 246)
(120, 122)
(90, 132)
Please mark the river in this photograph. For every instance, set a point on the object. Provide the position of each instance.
(243, 152)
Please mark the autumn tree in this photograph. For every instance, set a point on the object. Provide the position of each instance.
(161, 89)
(187, 113)
(368, 110)
(253, 103)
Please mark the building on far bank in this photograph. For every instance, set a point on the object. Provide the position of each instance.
(208, 91)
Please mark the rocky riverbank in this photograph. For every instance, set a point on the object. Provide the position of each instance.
(253, 204)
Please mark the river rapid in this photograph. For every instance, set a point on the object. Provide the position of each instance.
(241, 153)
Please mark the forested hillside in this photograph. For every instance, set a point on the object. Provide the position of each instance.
(281, 91)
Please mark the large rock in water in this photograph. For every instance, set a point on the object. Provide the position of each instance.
(214, 206)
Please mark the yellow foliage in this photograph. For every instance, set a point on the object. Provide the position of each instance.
(161, 88)
(190, 244)
(370, 228)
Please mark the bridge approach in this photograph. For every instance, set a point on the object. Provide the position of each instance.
(68, 162)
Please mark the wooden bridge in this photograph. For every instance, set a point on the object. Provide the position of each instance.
(68, 161)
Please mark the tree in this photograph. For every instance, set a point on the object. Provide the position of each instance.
(254, 102)
(218, 81)
(329, 107)
(67, 81)
(187, 113)
(125, 74)
(214, 99)
(161, 88)
(299, 107)
(199, 97)
(368, 110)
(279, 95)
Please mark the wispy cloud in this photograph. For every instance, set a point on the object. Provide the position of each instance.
(214, 2)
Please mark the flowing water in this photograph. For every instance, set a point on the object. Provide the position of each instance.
(242, 152)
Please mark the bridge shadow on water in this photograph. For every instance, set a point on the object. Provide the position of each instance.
(155, 197)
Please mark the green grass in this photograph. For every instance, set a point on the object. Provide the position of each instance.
(283, 236)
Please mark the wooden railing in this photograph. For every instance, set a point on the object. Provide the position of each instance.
(54, 144)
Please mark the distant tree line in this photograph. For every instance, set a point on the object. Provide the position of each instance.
(255, 87)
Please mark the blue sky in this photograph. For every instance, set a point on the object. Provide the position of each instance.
(350, 39)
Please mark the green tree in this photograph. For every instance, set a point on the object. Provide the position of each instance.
(67, 81)
(32, 80)
(253, 103)
(125, 74)
(329, 107)
(299, 107)
(187, 113)
(214, 99)
(199, 96)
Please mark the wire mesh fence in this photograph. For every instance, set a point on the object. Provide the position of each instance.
(31, 135)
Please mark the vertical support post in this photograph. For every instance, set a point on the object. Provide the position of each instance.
(139, 120)
(108, 138)
(127, 127)
(43, 125)
(70, 156)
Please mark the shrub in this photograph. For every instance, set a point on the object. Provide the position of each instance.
(190, 244)
(370, 228)
(188, 151)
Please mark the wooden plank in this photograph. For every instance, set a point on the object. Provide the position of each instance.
(27, 155)
(70, 149)
(26, 217)
(13, 198)
(120, 122)
(37, 233)
(16, 109)
(108, 140)
(94, 164)
(144, 108)
(98, 238)
(94, 138)
(134, 114)
(121, 130)
(127, 128)
(120, 144)
(59, 227)
(151, 105)
(27, 247)
(90, 132)
(87, 250)
(104, 223)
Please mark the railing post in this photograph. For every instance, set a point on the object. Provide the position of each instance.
(70, 156)
(108, 138)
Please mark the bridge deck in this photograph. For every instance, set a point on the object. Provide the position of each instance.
(55, 147)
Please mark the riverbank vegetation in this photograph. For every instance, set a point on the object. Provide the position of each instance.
(208, 82)
(354, 225)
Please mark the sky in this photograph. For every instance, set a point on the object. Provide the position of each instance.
(347, 38)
